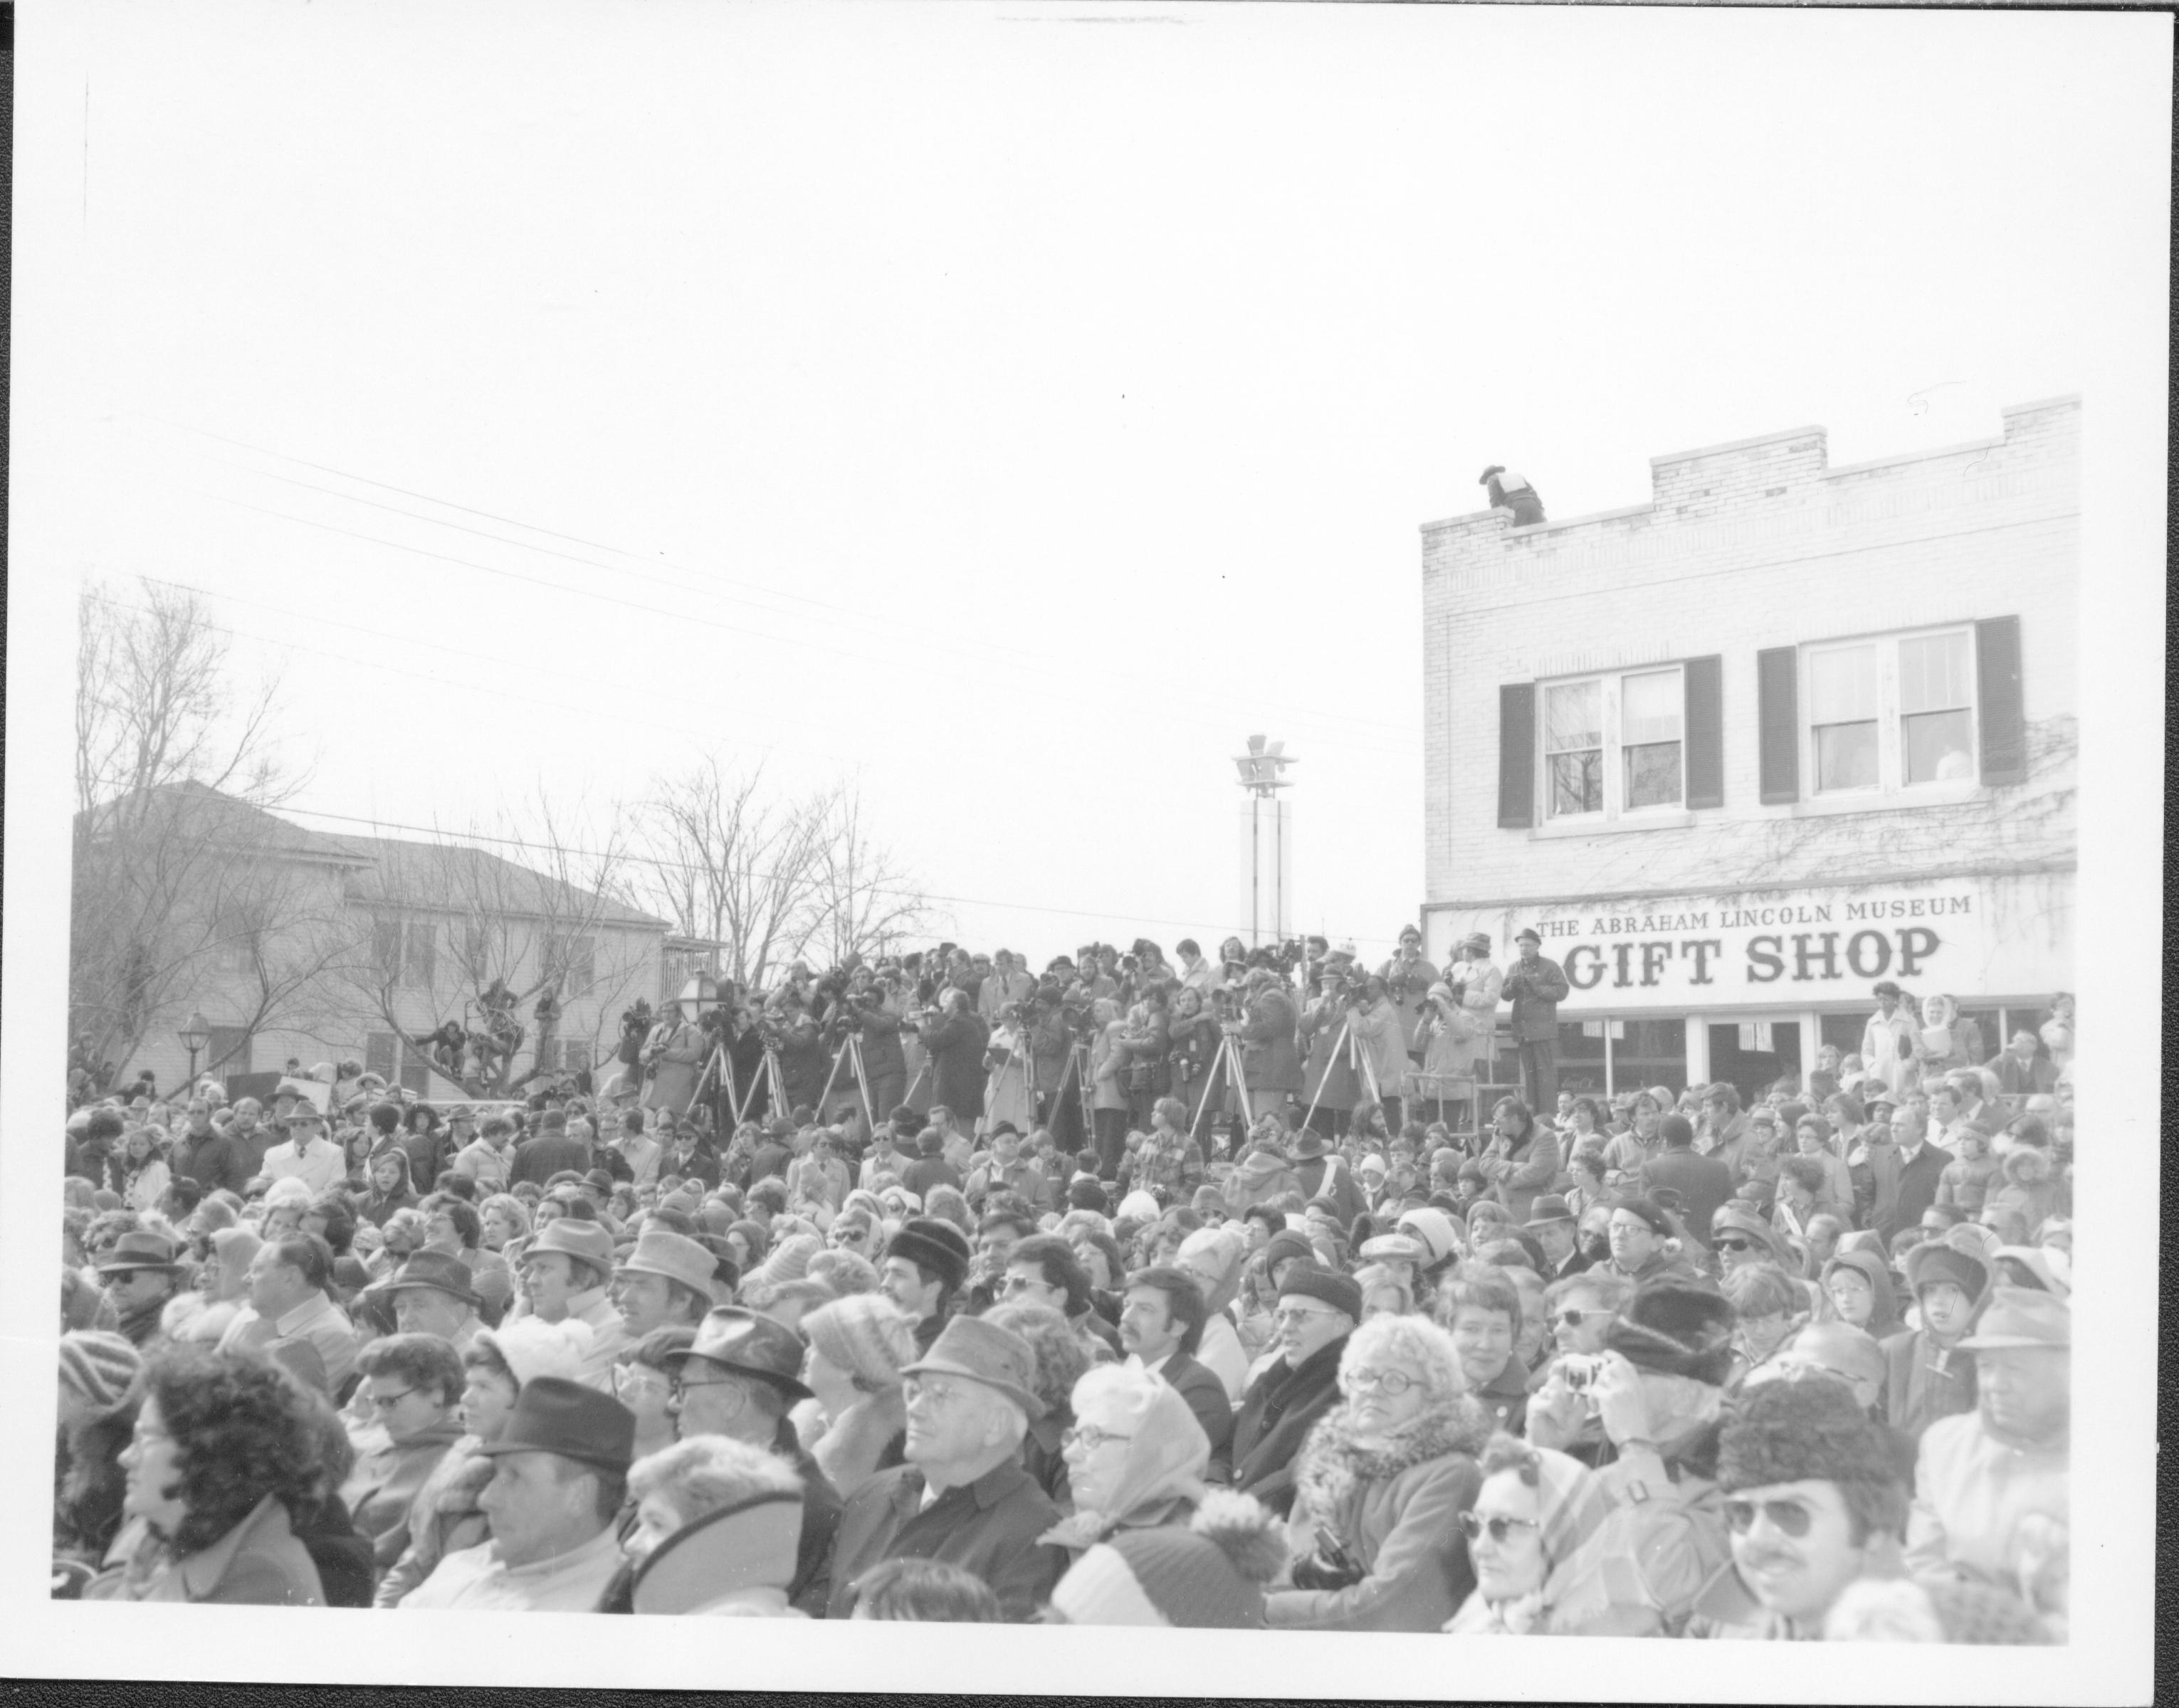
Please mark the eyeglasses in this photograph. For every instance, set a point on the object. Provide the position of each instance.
(1022, 1283)
(632, 1381)
(1735, 1243)
(1296, 1314)
(676, 1386)
(386, 1402)
(1392, 1383)
(1498, 1524)
(1089, 1437)
(937, 1393)
(1789, 1518)
(1574, 1319)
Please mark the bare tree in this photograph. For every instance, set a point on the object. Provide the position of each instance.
(866, 904)
(174, 860)
(454, 940)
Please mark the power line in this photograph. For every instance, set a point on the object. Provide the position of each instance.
(833, 610)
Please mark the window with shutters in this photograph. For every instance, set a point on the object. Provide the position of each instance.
(1614, 744)
(1892, 713)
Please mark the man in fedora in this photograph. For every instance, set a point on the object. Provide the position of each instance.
(559, 1475)
(1991, 1485)
(963, 1496)
(566, 1271)
(1536, 985)
(308, 1155)
(1552, 1221)
(140, 1275)
(740, 1379)
(664, 1283)
(432, 1294)
(1324, 1174)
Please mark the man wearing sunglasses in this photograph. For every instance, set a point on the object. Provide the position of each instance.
(1811, 1503)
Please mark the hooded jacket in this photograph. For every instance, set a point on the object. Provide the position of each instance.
(1884, 1318)
(2030, 1187)
(1966, 1183)
(1924, 1381)
(1392, 1506)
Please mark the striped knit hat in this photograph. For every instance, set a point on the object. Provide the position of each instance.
(98, 1367)
(1209, 1573)
(865, 1335)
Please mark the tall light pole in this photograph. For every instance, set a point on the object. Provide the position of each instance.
(1262, 770)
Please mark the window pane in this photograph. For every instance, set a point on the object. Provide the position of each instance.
(1934, 673)
(1843, 685)
(1845, 757)
(1940, 746)
(1650, 707)
(1653, 774)
(1573, 717)
(1578, 782)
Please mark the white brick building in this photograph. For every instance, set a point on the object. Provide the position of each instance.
(1742, 751)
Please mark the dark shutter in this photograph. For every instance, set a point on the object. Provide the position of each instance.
(1517, 755)
(1997, 693)
(1778, 714)
(1703, 682)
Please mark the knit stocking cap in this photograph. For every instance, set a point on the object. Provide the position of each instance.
(98, 1367)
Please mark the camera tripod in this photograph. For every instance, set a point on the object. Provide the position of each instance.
(1357, 1062)
(850, 1052)
(720, 1067)
(1228, 1058)
(1078, 1069)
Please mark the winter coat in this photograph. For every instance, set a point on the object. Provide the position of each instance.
(1108, 1070)
(1383, 1040)
(1269, 1059)
(677, 1055)
(1280, 1408)
(1702, 1184)
(1876, 1178)
(988, 1528)
(1535, 988)
(956, 1044)
(865, 1439)
(377, 1207)
(444, 1519)
(1887, 1047)
(1393, 1508)
(1149, 1047)
(1918, 1181)
(260, 1562)
(1328, 1080)
(1518, 1174)
(380, 1492)
(2029, 1188)
(1964, 1184)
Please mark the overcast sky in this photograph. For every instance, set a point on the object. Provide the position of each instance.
(1008, 410)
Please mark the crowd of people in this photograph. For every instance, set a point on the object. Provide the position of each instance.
(1193, 1294)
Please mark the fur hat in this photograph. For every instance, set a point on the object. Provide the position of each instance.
(531, 1347)
(1810, 1431)
(936, 1245)
(1209, 1574)
(1678, 1329)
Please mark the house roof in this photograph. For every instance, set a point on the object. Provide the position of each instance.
(397, 870)
(389, 870)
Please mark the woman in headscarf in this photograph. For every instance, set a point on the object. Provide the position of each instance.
(1859, 1284)
(859, 1346)
(1136, 1457)
(1947, 1039)
(1533, 1509)
(1379, 1486)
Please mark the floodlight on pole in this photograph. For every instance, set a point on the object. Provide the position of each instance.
(1261, 772)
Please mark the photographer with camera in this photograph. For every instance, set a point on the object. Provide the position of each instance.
(1331, 1087)
(1147, 1036)
(955, 1037)
(1270, 1062)
(1192, 1038)
(1407, 979)
(674, 1055)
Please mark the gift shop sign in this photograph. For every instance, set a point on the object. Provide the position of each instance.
(1737, 952)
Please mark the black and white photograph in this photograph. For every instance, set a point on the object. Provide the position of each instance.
(1331, 822)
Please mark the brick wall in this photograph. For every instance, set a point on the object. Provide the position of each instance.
(1748, 545)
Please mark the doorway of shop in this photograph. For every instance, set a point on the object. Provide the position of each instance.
(1752, 1055)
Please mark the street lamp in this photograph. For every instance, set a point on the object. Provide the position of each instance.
(196, 1037)
(700, 997)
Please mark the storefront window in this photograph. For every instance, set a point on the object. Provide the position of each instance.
(1637, 1052)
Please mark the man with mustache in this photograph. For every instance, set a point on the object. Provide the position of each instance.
(1812, 1504)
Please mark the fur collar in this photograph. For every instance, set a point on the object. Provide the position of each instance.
(1335, 1463)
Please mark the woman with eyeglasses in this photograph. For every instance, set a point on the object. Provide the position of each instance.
(1135, 1457)
(413, 1385)
(1527, 1518)
(1379, 1486)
